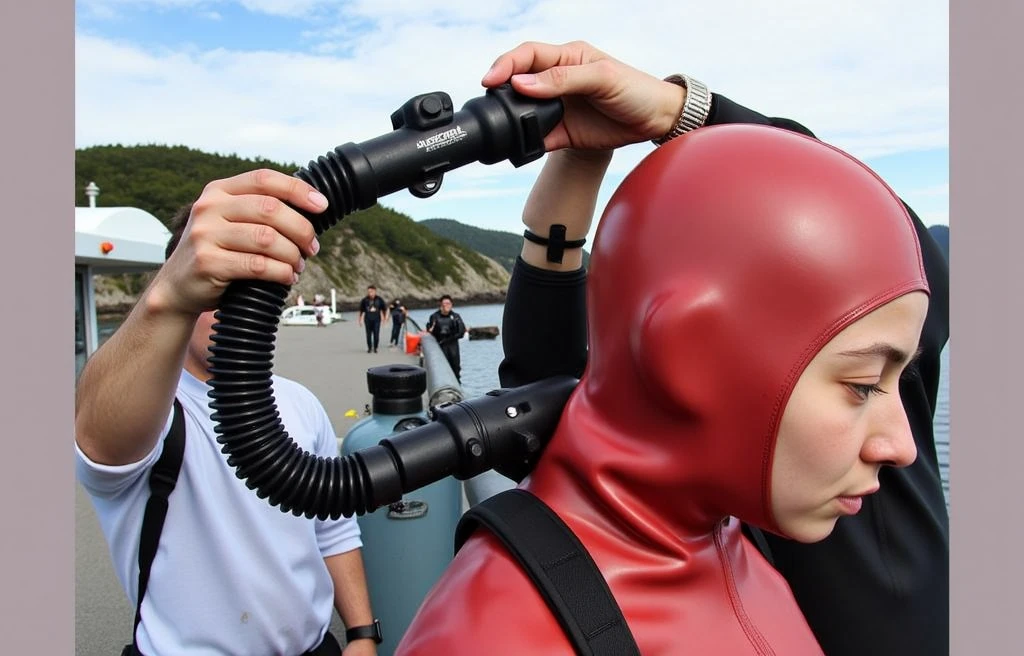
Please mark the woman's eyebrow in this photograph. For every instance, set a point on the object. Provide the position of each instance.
(887, 351)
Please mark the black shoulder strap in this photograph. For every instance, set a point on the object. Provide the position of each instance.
(560, 567)
(162, 479)
(757, 537)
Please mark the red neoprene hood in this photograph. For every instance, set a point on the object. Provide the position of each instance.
(724, 262)
(722, 265)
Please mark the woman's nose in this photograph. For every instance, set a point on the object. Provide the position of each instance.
(891, 441)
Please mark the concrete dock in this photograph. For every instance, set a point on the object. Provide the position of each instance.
(330, 361)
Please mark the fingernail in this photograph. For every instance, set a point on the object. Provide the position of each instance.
(302, 265)
(318, 199)
(295, 278)
(315, 246)
(526, 79)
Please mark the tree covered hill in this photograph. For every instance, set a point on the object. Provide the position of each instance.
(500, 246)
(375, 246)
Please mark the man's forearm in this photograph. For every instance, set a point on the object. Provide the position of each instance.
(351, 598)
(126, 388)
(565, 192)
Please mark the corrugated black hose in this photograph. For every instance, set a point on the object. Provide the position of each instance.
(428, 140)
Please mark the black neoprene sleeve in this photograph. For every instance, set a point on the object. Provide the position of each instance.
(544, 327)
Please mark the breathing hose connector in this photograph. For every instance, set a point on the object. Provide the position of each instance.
(428, 140)
(504, 430)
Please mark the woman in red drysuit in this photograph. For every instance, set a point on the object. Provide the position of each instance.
(754, 296)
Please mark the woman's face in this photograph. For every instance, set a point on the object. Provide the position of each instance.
(844, 420)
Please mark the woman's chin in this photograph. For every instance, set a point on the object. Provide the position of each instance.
(808, 531)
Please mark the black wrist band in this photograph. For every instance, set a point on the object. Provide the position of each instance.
(556, 242)
(368, 631)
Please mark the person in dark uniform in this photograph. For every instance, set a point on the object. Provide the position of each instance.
(370, 310)
(397, 321)
(447, 328)
(880, 582)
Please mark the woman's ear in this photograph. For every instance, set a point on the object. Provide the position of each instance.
(677, 346)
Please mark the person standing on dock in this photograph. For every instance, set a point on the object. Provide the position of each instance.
(230, 573)
(448, 328)
(371, 308)
(398, 313)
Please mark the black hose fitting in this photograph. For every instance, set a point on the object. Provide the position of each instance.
(428, 140)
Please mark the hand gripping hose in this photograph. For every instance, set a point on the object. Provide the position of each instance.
(428, 140)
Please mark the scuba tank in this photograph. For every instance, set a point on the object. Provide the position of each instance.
(406, 544)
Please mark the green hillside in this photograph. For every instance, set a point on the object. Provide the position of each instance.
(160, 179)
(502, 247)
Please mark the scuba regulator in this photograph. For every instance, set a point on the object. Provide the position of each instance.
(503, 430)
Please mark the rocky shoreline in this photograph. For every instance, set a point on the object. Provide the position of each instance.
(474, 284)
(118, 309)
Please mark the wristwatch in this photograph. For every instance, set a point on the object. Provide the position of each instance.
(371, 631)
(695, 108)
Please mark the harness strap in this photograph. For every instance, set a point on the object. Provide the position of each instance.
(162, 479)
(559, 566)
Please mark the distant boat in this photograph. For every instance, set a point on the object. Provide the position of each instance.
(483, 332)
(305, 315)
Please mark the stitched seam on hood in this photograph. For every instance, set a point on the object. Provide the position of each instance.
(757, 640)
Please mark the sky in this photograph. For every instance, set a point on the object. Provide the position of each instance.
(289, 80)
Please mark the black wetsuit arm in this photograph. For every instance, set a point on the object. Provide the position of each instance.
(544, 326)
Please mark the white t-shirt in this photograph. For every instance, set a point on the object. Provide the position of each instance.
(232, 574)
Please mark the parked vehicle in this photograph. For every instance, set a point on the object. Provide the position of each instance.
(306, 315)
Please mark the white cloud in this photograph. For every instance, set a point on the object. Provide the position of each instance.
(870, 77)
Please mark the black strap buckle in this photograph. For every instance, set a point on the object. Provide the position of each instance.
(556, 242)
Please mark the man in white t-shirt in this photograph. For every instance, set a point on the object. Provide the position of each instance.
(233, 574)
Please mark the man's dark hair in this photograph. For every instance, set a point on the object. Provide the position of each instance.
(177, 225)
(446, 297)
(373, 287)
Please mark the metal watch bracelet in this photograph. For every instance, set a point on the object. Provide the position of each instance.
(695, 108)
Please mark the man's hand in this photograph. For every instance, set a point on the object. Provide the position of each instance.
(607, 103)
(241, 228)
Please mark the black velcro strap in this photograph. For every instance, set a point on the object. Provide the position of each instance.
(162, 479)
(559, 566)
(556, 242)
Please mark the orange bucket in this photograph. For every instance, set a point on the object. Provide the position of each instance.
(412, 343)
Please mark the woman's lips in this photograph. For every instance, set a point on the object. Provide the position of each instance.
(850, 505)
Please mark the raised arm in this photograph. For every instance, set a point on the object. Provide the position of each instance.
(239, 228)
(607, 104)
(565, 193)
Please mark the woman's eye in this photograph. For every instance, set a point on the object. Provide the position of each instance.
(864, 391)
